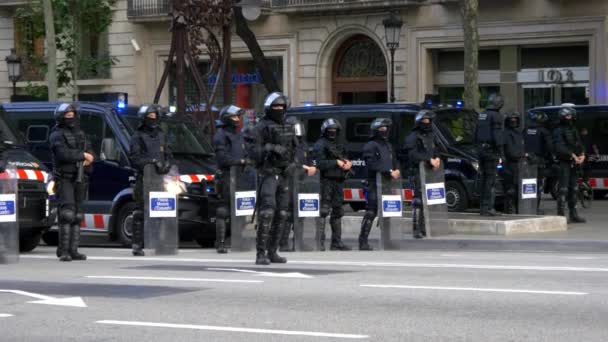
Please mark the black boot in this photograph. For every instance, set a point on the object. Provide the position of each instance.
(220, 236)
(336, 235)
(416, 228)
(284, 240)
(75, 242)
(63, 245)
(561, 206)
(366, 227)
(574, 218)
(261, 259)
(275, 236)
(137, 238)
(321, 234)
(490, 212)
(263, 229)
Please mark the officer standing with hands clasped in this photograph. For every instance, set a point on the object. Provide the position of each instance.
(148, 146)
(421, 146)
(335, 167)
(570, 151)
(514, 153)
(72, 159)
(488, 136)
(272, 148)
(539, 147)
(379, 158)
(229, 148)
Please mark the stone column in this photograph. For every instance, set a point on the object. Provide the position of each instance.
(509, 65)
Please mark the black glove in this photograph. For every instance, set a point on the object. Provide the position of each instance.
(160, 166)
(279, 149)
(166, 168)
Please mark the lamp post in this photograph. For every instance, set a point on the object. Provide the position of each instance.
(392, 30)
(13, 63)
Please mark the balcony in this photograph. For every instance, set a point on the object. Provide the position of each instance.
(323, 6)
(155, 10)
(7, 3)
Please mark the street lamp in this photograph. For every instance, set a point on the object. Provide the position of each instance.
(13, 63)
(392, 31)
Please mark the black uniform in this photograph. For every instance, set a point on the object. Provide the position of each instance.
(326, 154)
(567, 142)
(68, 145)
(489, 139)
(379, 158)
(272, 148)
(539, 147)
(421, 145)
(229, 148)
(514, 153)
(147, 146)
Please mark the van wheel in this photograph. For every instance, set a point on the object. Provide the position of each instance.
(124, 224)
(28, 243)
(456, 196)
(50, 238)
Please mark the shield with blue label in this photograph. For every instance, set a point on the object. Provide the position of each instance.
(434, 200)
(390, 212)
(528, 188)
(306, 209)
(161, 235)
(243, 199)
(9, 219)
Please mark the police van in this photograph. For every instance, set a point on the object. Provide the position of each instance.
(109, 204)
(453, 126)
(32, 178)
(593, 118)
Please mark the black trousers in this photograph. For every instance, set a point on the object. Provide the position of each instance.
(332, 198)
(568, 185)
(70, 194)
(488, 160)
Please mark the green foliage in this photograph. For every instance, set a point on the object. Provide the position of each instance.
(74, 20)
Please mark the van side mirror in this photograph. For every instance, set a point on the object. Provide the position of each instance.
(108, 150)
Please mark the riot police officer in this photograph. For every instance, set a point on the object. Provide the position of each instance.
(148, 146)
(304, 167)
(379, 157)
(489, 139)
(539, 147)
(229, 148)
(273, 146)
(570, 152)
(335, 167)
(514, 152)
(72, 159)
(421, 145)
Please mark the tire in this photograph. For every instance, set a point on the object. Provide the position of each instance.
(124, 223)
(205, 242)
(599, 194)
(50, 238)
(456, 196)
(28, 243)
(357, 206)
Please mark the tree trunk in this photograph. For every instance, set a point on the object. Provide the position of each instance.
(51, 75)
(76, 57)
(243, 30)
(470, 12)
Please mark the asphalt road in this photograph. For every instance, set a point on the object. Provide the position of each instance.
(331, 296)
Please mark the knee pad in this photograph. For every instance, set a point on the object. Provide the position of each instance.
(138, 215)
(79, 218)
(67, 215)
(324, 211)
(222, 213)
(267, 214)
(370, 214)
(337, 213)
(416, 203)
(283, 215)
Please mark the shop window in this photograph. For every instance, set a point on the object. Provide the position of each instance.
(454, 60)
(449, 95)
(555, 57)
(29, 45)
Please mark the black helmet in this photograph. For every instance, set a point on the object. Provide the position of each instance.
(276, 99)
(63, 109)
(510, 116)
(424, 114)
(330, 124)
(495, 102)
(297, 125)
(147, 109)
(565, 111)
(229, 111)
(538, 117)
(374, 127)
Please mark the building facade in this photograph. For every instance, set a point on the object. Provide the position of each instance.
(534, 52)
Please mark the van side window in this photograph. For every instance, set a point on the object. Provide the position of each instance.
(313, 130)
(96, 129)
(357, 129)
(37, 133)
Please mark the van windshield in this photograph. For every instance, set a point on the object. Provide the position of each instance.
(7, 131)
(181, 138)
(458, 125)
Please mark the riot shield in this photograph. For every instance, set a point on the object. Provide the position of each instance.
(433, 200)
(390, 207)
(9, 225)
(243, 190)
(526, 178)
(306, 211)
(161, 236)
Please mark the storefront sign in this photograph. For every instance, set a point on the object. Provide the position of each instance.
(556, 75)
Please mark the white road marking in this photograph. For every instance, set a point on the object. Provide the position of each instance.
(48, 300)
(447, 255)
(178, 279)
(3, 315)
(264, 274)
(233, 329)
(347, 263)
(580, 258)
(477, 289)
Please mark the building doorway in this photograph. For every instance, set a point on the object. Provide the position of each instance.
(536, 95)
(359, 72)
